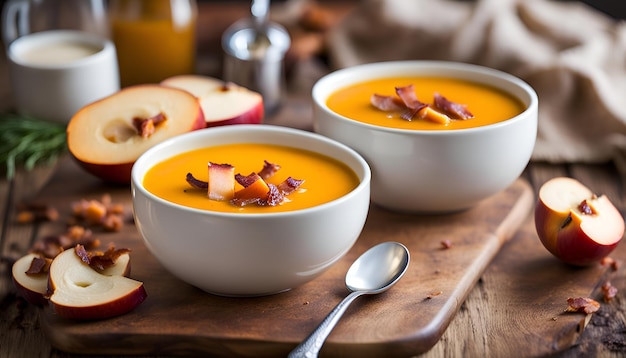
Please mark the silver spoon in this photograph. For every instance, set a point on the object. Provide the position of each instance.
(375, 271)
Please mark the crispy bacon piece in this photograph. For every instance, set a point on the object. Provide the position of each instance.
(99, 260)
(409, 98)
(609, 291)
(146, 126)
(386, 103)
(50, 246)
(246, 181)
(196, 183)
(289, 185)
(582, 304)
(34, 212)
(39, 265)
(274, 196)
(452, 109)
(269, 169)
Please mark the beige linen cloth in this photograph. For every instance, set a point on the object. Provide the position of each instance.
(571, 54)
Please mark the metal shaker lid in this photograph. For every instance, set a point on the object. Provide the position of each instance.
(246, 41)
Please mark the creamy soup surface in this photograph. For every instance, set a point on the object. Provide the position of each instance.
(57, 53)
(488, 104)
(326, 179)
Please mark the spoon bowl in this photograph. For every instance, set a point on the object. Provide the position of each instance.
(375, 271)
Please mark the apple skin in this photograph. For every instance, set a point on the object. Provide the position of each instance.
(34, 288)
(569, 235)
(112, 160)
(222, 103)
(77, 291)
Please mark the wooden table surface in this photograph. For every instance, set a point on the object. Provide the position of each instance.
(489, 322)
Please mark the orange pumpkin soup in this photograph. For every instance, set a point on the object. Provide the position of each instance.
(487, 104)
(325, 179)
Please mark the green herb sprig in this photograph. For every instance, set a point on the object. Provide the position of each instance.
(27, 141)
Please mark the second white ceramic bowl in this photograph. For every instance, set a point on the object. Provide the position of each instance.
(433, 171)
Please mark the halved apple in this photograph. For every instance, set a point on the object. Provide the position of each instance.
(77, 291)
(222, 102)
(107, 136)
(34, 287)
(576, 225)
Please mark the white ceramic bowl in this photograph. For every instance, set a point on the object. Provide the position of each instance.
(234, 254)
(433, 171)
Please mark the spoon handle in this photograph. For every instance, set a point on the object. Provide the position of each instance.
(311, 346)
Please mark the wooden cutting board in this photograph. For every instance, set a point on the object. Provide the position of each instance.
(406, 320)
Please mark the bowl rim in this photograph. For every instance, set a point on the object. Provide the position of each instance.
(136, 176)
(319, 99)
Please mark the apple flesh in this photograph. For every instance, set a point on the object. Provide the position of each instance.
(574, 224)
(222, 103)
(77, 291)
(105, 139)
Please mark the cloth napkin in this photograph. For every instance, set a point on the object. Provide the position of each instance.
(572, 55)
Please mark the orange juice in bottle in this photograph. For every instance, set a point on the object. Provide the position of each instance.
(155, 39)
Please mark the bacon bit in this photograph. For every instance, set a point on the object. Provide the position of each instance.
(146, 126)
(32, 212)
(289, 185)
(433, 294)
(274, 196)
(39, 265)
(609, 261)
(246, 181)
(269, 169)
(51, 246)
(609, 291)
(446, 244)
(409, 98)
(99, 260)
(386, 103)
(582, 304)
(196, 183)
(585, 209)
(103, 213)
(452, 109)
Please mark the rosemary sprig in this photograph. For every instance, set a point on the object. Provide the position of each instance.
(26, 141)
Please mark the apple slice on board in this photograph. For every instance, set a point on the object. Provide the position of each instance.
(222, 103)
(80, 292)
(105, 136)
(34, 287)
(574, 224)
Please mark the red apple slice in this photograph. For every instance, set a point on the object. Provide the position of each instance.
(32, 287)
(80, 292)
(221, 181)
(574, 224)
(104, 137)
(222, 103)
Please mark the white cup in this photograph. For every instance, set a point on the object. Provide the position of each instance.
(55, 73)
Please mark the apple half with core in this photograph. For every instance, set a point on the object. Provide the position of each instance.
(77, 291)
(222, 102)
(107, 136)
(574, 224)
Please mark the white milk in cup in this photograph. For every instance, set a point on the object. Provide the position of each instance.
(59, 56)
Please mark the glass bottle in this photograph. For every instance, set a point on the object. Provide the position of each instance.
(155, 39)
